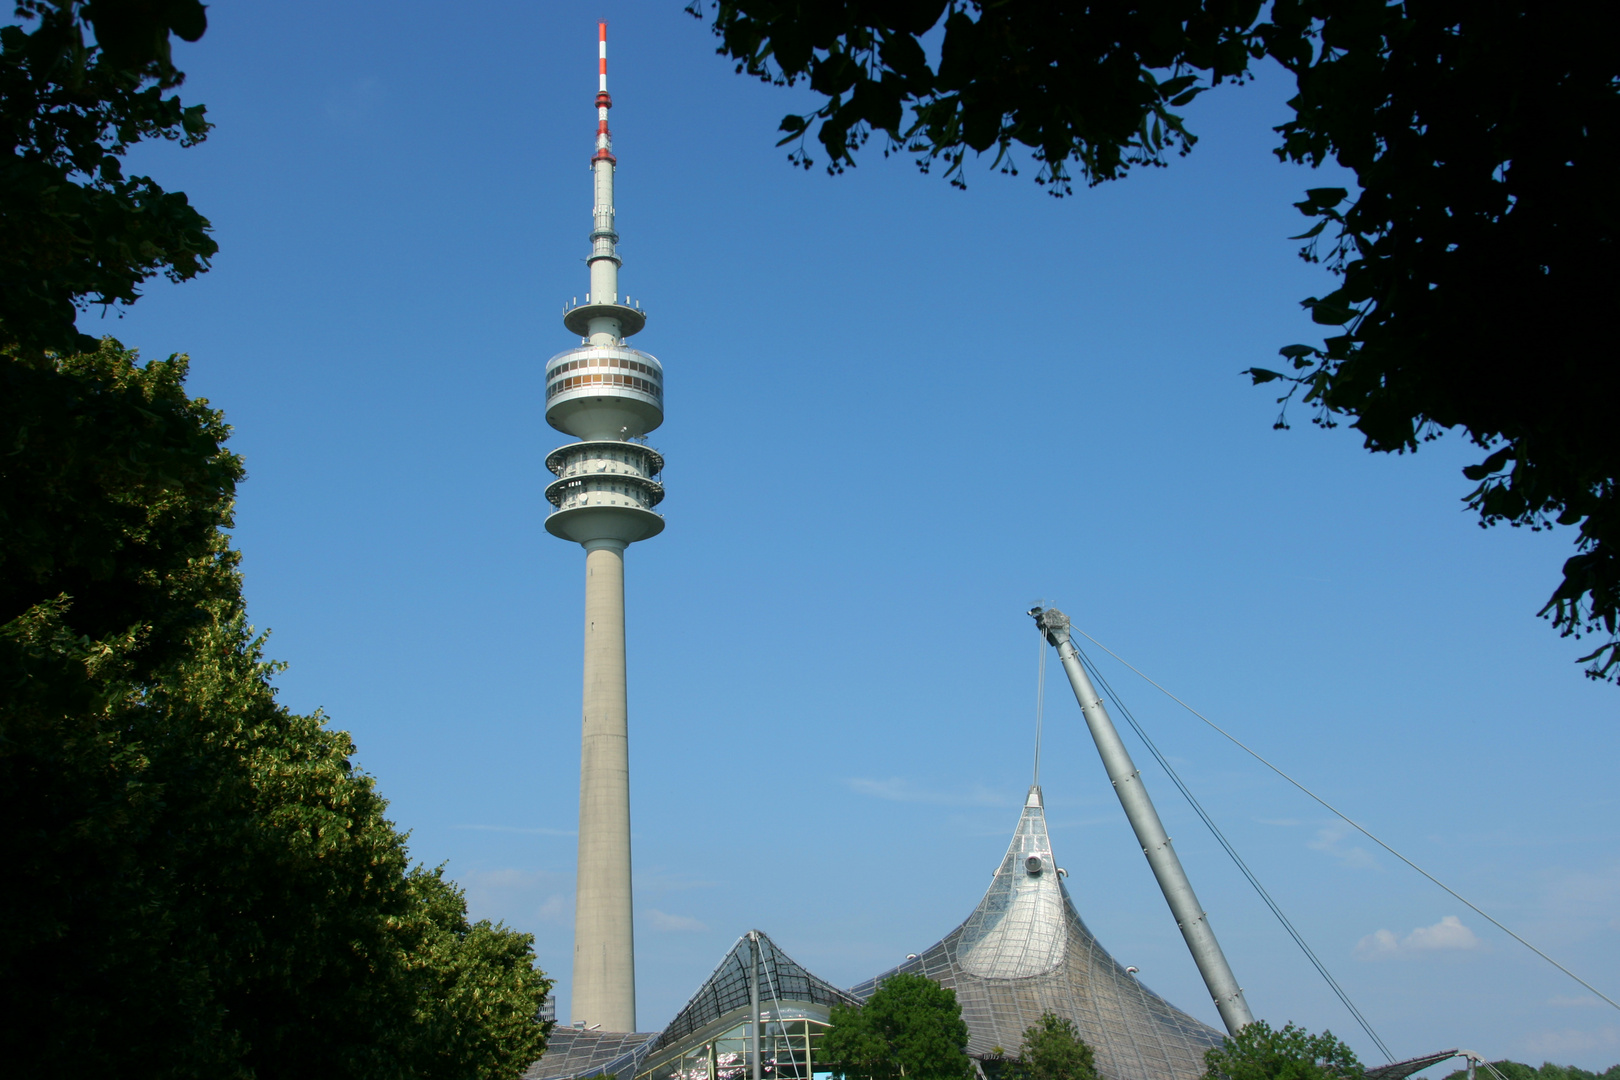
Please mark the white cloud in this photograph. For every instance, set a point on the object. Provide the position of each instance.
(899, 789)
(1330, 840)
(1378, 943)
(1564, 1001)
(1570, 1041)
(1447, 935)
(662, 920)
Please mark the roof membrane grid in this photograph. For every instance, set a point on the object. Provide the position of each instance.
(1025, 951)
(571, 1052)
(781, 979)
(1399, 1070)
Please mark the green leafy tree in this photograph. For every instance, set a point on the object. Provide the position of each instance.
(1053, 1050)
(1517, 1070)
(475, 990)
(206, 885)
(113, 486)
(80, 84)
(910, 1027)
(1476, 262)
(1259, 1052)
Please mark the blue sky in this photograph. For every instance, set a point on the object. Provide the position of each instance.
(898, 415)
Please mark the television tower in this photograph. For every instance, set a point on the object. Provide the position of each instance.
(607, 396)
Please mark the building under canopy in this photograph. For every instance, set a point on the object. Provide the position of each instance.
(1022, 952)
(711, 1038)
(1025, 951)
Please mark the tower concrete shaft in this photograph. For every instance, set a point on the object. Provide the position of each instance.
(604, 954)
(608, 396)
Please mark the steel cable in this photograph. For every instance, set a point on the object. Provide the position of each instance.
(1237, 859)
(1040, 709)
(1350, 821)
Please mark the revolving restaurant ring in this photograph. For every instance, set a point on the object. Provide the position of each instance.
(619, 366)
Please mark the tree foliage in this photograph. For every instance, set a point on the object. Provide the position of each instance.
(206, 886)
(1053, 1050)
(1089, 88)
(910, 1027)
(1516, 1070)
(80, 84)
(1259, 1052)
(113, 486)
(1477, 260)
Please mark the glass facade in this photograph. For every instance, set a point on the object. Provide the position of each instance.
(632, 382)
(603, 366)
(711, 1038)
(787, 1051)
(786, 990)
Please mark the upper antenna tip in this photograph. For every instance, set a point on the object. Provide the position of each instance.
(601, 58)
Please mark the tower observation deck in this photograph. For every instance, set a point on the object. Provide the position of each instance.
(608, 396)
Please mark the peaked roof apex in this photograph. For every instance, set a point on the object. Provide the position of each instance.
(781, 978)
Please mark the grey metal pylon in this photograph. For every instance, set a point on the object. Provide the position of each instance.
(1156, 846)
(1025, 951)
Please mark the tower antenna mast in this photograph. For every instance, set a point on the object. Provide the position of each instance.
(607, 395)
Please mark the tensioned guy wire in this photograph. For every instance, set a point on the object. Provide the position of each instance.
(1237, 859)
(1040, 707)
(1349, 821)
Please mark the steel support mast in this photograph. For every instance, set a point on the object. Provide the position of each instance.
(1144, 819)
(755, 1063)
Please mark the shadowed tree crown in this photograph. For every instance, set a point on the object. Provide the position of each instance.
(80, 85)
(1476, 261)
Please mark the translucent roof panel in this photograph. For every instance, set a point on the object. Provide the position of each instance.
(1017, 930)
(781, 980)
(1025, 951)
(571, 1052)
(1400, 1070)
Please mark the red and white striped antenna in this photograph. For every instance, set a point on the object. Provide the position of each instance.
(604, 141)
